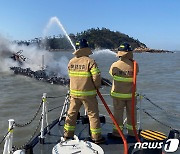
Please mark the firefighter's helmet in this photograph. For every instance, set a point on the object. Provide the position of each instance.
(124, 49)
(82, 43)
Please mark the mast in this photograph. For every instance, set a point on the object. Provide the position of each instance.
(42, 62)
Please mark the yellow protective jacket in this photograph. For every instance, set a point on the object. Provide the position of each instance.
(84, 74)
(122, 74)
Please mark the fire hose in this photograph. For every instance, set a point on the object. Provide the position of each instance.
(115, 122)
(133, 100)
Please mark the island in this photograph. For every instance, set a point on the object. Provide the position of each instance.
(97, 38)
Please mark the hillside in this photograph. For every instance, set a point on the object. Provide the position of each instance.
(97, 39)
(105, 38)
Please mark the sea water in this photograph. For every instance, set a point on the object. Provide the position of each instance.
(158, 79)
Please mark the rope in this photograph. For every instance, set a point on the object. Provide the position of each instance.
(32, 136)
(158, 120)
(28, 123)
(149, 113)
(174, 114)
(23, 125)
(54, 108)
(56, 96)
(144, 96)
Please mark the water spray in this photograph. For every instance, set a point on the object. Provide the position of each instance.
(56, 20)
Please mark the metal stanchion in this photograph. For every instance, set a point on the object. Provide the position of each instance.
(65, 107)
(44, 117)
(9, 138)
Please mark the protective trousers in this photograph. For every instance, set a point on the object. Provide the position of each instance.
(91, 107)
(118, 114)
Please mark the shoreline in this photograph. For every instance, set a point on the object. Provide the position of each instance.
(142, 50)
(136, 50)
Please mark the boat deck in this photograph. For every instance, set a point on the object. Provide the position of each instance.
(111, 146)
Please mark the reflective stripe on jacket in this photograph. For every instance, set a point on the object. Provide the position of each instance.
(122, 79)
(79, 74)
(93, 71)
(84, 75)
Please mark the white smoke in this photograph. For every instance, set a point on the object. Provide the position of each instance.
(34, 58)
(58, 68)
(6, 51)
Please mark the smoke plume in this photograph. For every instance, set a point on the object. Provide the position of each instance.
(34, 58)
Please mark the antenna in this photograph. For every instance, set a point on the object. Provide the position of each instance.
(42, 62)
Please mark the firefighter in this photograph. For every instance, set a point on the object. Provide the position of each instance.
(121, 92)
(84, 80)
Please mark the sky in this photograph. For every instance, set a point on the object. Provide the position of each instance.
(153, 22)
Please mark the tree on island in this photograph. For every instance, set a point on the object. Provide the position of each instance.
(97, 38)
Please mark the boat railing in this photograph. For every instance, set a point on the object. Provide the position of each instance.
(8, 137)
(65, 107)
(42, 124)
(141, 98)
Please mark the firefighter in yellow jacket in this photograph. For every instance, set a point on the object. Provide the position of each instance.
(121, 92)
(84, 80)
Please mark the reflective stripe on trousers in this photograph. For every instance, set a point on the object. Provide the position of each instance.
(120, 126)
(95, 130)
(69, 128)
(82, 93)
(130, 127)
